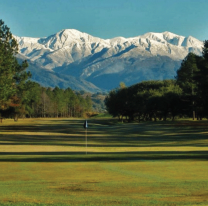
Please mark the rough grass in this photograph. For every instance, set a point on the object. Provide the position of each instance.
(44, 162)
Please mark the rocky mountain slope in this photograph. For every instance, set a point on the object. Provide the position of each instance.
(103, 63)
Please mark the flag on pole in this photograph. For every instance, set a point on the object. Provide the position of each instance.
(85, 124)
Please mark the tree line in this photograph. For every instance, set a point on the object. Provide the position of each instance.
(185, 96)
(47, 102)
(21, 97)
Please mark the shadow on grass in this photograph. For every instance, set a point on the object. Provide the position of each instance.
(106, 144)
(110, 138)
(101, 156)
(105, 133)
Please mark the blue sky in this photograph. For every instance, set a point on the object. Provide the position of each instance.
(106, 18)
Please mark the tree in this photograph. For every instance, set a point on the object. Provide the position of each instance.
(203, 80)
(32, 98)
(112, 103)
(12, 74)
(122, 85)
(146, 101)
(205, 50)
(187, 79)
(88, 104)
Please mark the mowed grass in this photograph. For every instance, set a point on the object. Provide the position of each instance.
(46, 162)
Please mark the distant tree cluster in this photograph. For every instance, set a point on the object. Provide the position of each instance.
(145, 101)
(20, 97)
(187, 95)
(37, 101)
(47, 102)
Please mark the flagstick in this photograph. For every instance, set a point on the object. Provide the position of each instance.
(86, 139)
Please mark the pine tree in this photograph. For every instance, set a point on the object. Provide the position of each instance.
(12, 74)
(187, 79)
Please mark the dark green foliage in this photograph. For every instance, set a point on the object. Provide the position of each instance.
(31, 98)
(187, 79)
(48, 102)
(147, 100)
(205, 50)
(192, 77)
(187, 74)
(12, 74)
(203, 80)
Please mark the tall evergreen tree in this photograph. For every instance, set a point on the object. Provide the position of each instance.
(12, 74)
(187, 79)
(203, 80)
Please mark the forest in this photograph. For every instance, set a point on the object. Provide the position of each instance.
(36, 101)
(185, 96)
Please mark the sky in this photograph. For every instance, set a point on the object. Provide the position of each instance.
(106, 18)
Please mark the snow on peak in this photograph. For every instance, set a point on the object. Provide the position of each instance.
(69, 45)
(72, 33)
(170, 34)
(21, 40)
(153, 36)
(117, 40)
(171, 38)
(68, 37)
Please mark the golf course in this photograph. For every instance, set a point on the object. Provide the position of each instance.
(50, 161)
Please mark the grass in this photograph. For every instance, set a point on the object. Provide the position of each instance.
(44, 162)
(103, 115)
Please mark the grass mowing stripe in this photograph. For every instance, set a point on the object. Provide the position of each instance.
(43, 162)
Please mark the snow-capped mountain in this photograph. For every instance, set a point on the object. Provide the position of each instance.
(106, 62)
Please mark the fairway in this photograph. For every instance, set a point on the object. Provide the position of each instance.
(44, 162)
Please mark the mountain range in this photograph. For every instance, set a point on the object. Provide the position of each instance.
(80, 61)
